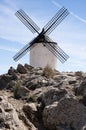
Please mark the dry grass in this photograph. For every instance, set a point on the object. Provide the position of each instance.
(48, 72)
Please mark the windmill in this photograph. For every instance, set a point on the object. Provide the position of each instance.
(43, 50)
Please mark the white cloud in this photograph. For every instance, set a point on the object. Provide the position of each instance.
(10, 26)
(73, 14)
(6, 48)
(11, 4)
(77, 17)
(56, 4)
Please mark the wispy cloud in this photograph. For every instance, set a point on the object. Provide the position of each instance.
(73, 14)
(79, 18)
(10, 27)
(56, 4)
(6, 48)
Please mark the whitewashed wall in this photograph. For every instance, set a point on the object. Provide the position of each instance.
(40, 56)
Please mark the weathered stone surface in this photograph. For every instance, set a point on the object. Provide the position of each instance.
(81, 88)
(21, 69)
(65, 114)
(79, 73)
(57, 103)
(51, 94)
(30, 111)
(28, 67)
(5, 79)
(29, 125)
(12, 71)
(8, 117)
(35, 82)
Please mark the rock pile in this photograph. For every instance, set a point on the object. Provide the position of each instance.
(31, 100)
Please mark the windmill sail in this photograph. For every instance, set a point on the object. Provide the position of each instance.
(27, 21)
(55, 21)
(24, 50)
(55, 49)
(43, 36)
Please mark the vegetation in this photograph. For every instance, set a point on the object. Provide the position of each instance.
(48, 72)
(16, 88)
(30, 98)
(80, 98)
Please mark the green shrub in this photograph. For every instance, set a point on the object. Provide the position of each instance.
(16, 88)
(79, 98)
(48, 72)
(30, 98)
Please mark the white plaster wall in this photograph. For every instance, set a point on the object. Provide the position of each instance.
(40, 56)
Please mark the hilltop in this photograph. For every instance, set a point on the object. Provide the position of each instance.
(42, 99)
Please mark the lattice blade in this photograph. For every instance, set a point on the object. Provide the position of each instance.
(54, 18)
(55, 21)
(27, 21)
(56, 50)
(24, 50)
(49, 47)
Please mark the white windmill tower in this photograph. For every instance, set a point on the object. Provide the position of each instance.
(43, 51)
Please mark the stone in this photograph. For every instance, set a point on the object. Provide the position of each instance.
(42, 103)
(30, 111)
(79, 73)
(8, 117)
(4, 80)
(81, 88)
(66, 114)
(51, 94)
(21, 69)
(30, 125)
(72, 81)
(28, 67)
(12, 71)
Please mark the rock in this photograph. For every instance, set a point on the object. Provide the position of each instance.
(30, 126)
(65, 114)
(7, 107)
(51, 94)
(8, 117)
(12, 71)
(72, 81)
(81, 88)
(79, 73)
(28, 67)
(4, 80)
(38, 81)
(42, 103)
(30, 111)
(21, 69)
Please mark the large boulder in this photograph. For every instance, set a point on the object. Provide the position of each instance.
(67, 114)
(81, 88)
(5, 79)
(21, 69)
(50, 94)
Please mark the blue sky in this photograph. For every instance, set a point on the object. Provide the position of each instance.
(70, 34)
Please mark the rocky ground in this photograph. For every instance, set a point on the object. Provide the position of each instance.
(31, 99)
